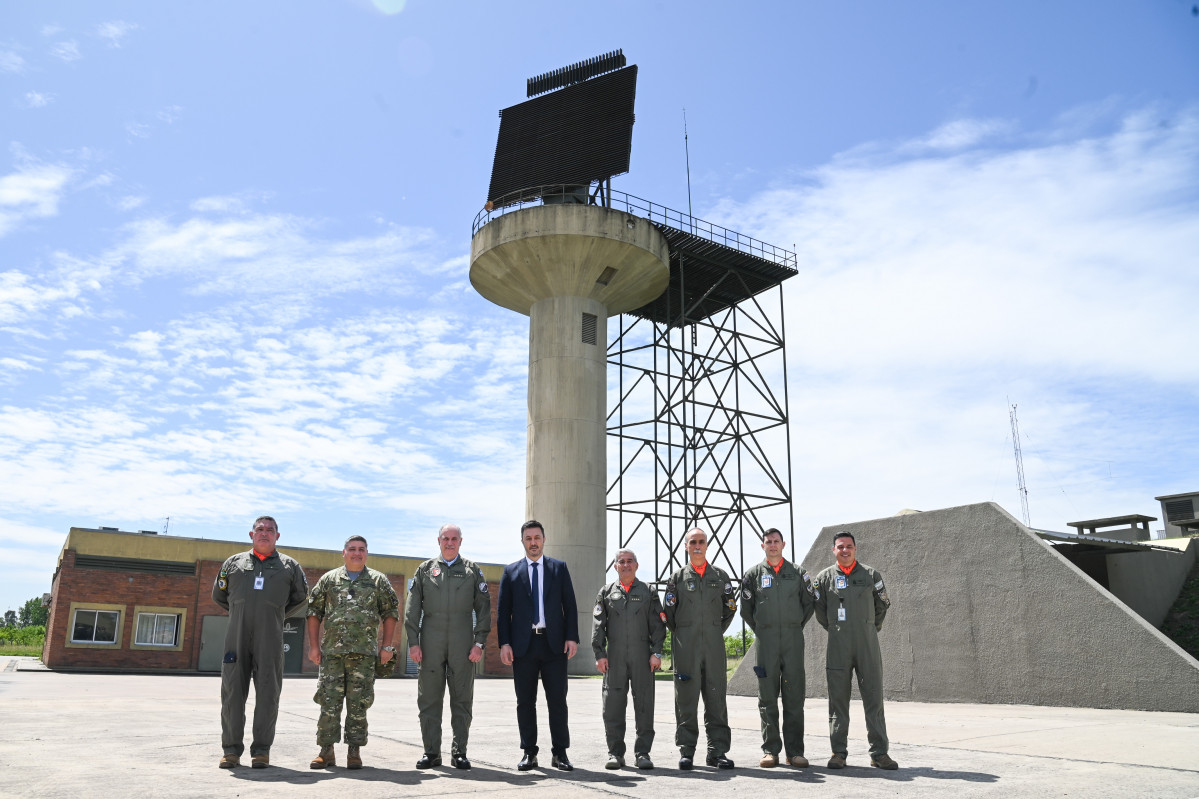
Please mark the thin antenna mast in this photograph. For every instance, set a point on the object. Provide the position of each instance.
(1021, 486)
(687, 150)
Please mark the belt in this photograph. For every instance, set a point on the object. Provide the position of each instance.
(538, 631)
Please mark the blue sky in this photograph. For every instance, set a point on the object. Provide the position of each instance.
(234, 246)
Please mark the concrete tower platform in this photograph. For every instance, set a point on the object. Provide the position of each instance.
(568, 268)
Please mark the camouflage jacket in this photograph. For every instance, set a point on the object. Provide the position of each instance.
(352, 610)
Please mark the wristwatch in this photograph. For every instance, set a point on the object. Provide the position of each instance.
(478, 645)
(659, 657)
(389, 649)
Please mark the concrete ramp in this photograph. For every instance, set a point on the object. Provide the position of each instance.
(985, 611)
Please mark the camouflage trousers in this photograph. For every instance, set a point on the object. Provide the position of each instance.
(348, 677)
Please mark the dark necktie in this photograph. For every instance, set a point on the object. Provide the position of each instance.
(536, 599)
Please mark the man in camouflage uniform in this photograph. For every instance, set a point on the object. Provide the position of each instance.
(851, 603)
(447, 642)
(701, 602)
(627, 638)
(259, 588)
(352, 600)
(777, 599)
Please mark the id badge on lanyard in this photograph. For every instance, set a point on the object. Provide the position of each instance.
(258, 582)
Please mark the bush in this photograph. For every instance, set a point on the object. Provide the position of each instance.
(23, 636)
(735, 646)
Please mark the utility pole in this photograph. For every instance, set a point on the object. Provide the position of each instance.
(1020, 485)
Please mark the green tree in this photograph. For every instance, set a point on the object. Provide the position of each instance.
(33, 613)
(10, 618)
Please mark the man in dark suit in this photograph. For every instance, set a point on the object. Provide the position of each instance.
(537, 622)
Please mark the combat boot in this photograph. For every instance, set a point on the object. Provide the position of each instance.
(353, 759)
(883, 761)
(325, 759)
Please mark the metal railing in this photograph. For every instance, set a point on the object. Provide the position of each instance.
(637, 206)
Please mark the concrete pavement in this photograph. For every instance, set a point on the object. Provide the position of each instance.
(99, 735)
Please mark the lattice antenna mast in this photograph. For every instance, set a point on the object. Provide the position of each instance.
(1020, 484)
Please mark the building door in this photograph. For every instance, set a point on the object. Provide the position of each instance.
(293, 645)
(212, 641)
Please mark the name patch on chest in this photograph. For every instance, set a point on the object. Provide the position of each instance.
(841, 582)
(767, 580)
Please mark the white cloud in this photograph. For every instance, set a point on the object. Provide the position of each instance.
(38, 99)
(11, 62)
(114, 32)
(169, 114)
(67, 51)
(959, 134)
(1059, 274)
(32, 192)
(224, 205)
(272, 253)
(138, 130)
(130, 202)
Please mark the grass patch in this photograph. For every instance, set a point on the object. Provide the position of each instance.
(1182, 622)
(18, 650)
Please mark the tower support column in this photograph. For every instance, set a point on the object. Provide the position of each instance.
(566, 465)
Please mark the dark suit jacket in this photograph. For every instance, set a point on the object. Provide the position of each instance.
(514, 613)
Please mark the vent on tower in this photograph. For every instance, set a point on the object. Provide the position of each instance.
(589, 324)
(1179, 510)
(606, 276)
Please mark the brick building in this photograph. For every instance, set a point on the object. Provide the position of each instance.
(143, 602)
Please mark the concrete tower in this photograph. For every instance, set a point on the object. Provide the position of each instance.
(568, 267)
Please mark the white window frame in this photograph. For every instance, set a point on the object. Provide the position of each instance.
(96, 608)
(155, 619)
(180, 615)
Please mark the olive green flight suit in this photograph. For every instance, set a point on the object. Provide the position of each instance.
(698, 611)
(259, 594)
(352, 611)
(437, 616)
(776, 606)
(628, 628)
(853, 646)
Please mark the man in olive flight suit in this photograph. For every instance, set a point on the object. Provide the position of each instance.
(851, 603)
(447, 643)
(627, 637)
(777, 599)
(259, 588)
(352, 600)
(701, 601)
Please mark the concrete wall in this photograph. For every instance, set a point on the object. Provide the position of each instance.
(985, 611)
(1149, 582)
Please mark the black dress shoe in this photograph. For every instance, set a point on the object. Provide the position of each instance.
(562, 763)
(720, 761)
(685, 763)
(459, 761)
(428, 761)
(529, 761)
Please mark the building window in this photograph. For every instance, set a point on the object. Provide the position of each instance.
(157, 629)
(95, 626)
